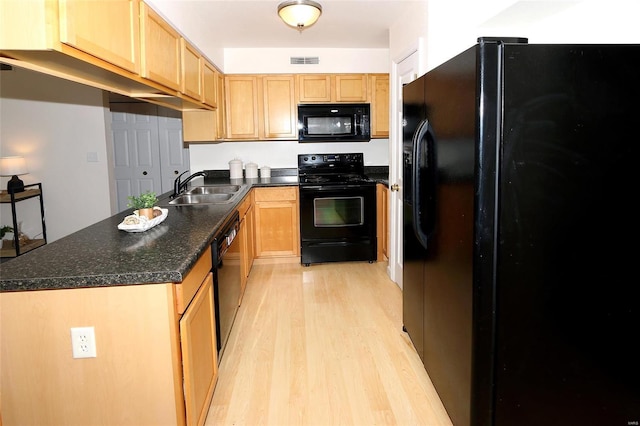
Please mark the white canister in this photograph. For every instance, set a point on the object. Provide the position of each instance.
(251, 171)
(265, 172)
(235, 169)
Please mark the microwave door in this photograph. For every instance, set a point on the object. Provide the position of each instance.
(330, 126)
(333, 123)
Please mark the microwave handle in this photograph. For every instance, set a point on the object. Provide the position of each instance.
(365, 125)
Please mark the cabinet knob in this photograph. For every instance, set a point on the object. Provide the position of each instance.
(144, 173)
(395, 187)
(175, 172)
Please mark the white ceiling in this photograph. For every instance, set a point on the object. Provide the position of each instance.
(255, 23)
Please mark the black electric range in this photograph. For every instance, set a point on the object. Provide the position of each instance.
(337, 209)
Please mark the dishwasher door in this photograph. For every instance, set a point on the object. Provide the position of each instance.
(226, 289)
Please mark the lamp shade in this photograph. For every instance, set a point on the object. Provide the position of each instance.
(13, 166)
(299, 13)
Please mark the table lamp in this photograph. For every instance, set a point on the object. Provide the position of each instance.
(13, 166)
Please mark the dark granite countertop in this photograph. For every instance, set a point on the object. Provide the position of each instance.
(378, 173)
(102, 255)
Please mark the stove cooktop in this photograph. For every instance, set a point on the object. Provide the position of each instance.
(332, 169)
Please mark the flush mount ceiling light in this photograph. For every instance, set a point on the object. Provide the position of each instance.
(299, 14)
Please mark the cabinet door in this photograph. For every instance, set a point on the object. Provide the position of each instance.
(383, 221)
(250, 224)
(160, 52)
(221, 111)
(209, 84)
(245, 236)
(351, 87)
(277, 222)
(199, 354)
(207, 125)
(314, 88)
(242, 107)
(379, 99)
(279, 112)
(106, 29)
(191, 70)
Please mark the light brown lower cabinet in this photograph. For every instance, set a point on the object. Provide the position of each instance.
(247, 239)
(156, 358)
(199, 354)
(277, 229)
(382, 214)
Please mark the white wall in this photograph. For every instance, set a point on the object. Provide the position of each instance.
(444, 28)
(280, 154)
(266, 61)
(54, 124)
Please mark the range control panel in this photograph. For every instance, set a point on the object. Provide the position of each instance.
(319, 161)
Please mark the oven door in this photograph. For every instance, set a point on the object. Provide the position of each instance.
(337, 223)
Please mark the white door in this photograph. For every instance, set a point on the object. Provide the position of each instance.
(148, 150)
(405, 71)
(174, 155)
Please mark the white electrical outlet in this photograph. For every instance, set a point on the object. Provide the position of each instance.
(83, 342)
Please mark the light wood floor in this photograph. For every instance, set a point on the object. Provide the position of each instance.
(322, 345)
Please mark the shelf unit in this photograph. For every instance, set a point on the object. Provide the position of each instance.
(13, 248)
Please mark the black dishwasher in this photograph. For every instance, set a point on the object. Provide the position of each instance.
(226, 272)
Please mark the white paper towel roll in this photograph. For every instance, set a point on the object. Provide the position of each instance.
(235, 169)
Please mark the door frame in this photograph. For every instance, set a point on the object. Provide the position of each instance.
(408, 61)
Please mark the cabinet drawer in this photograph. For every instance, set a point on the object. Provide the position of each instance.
(191, 283)
(276, 194)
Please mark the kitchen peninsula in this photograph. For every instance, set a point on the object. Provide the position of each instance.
(148, 297)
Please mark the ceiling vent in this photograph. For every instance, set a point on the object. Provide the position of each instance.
(302, 60)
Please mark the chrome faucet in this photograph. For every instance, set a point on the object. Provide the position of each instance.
(179, 185)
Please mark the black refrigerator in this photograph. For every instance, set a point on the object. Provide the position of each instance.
(520, 289)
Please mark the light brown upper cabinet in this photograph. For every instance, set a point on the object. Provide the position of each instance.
(107, 29)
(209, 84)
(260, 107)
(279, 112)
(241, 102)
(379, 99)
(207, 125)
(192, 71)
(314, 88)
(332, 88)
(350, 87)
(160, 49)
(221, 111)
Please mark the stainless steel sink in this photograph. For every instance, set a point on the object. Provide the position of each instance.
(212, 194)
(215, 189)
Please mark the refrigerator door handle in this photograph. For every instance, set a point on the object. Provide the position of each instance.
(416, 178)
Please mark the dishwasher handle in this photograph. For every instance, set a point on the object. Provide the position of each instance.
(225, 238)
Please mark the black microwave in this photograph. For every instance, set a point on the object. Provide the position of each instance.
(334, 123)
